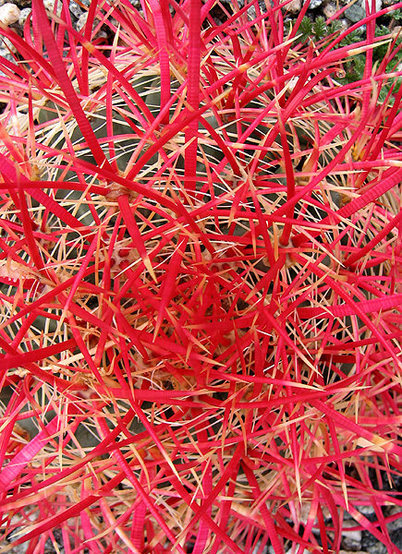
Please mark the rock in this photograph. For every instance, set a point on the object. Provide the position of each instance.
(6, 54)
(329, 10)
(372, 545)
(6, 45)
(53, 6)
(352, 552)
(13, 536)
(396, 31)
(24, 14)
(314, 4)
(351, 540)
(257, 549)
(366, 510)
(294, 6)
(9, 14)
(378, 5)
(355, 13)
(50, 547)
(396, 537)
(75, 10)
(19, 549)
(251, 13)
(82, 22)
(396, 524)
(261, 4)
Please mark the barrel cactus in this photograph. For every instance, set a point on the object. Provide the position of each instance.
(199, 280)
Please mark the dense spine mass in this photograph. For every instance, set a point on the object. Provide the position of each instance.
(200, 277)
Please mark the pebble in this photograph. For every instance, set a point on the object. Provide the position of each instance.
(314, 4)
(6, 55)
(9, 14)
(6, 45)
(53, 6)
(355, 13)
(353, 551)
(24, 14)
(75, 10)
(81, 24)
(294, 6)
(351, 540)
(15, 534)
(378, 5)
(396, 524)
(329, 10)
(258, 549)
(396, 538)
(372, 545)
(251, 12)
(366, 510)
(82, 21)
(19, 549)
